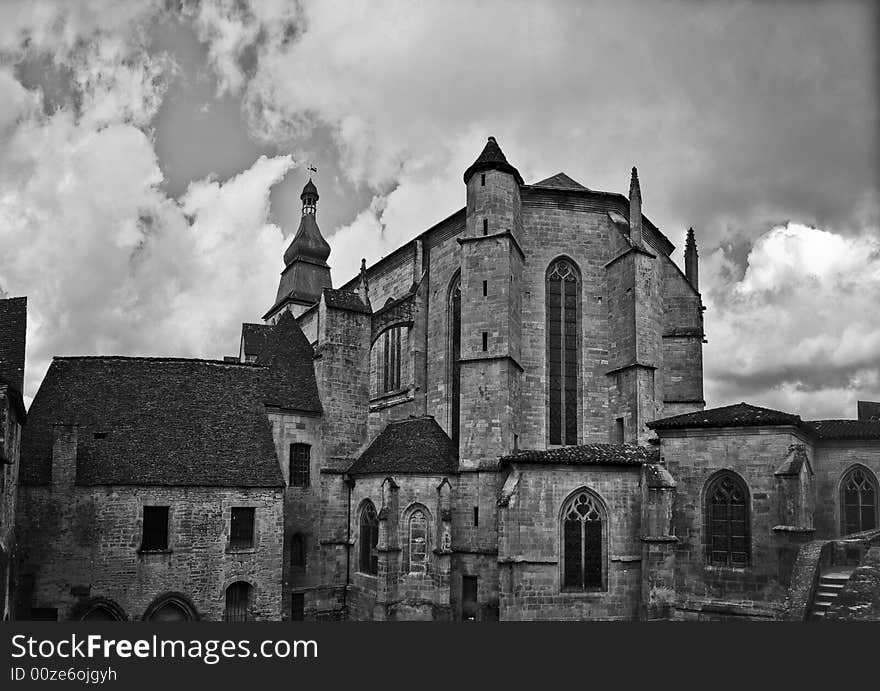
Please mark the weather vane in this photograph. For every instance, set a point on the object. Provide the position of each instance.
(312, 169)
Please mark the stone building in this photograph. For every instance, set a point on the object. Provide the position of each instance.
(13, 326)
(513, 428)
(501, 419)
(151, 489)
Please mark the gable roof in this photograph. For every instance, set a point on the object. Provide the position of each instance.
(164, 421)
(289, 382)
(738, 415)
(254, 338)
(13, 331)
(587, 454)
(561, 181)
(413, 446)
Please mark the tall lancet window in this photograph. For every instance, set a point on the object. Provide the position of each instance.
(563, 307)
(454, 358)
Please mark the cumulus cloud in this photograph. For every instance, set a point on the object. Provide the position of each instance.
(109, 262)
(799, 329)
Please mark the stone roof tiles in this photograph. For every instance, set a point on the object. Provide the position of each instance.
(738, 415)
(413, 446)
(587, 454)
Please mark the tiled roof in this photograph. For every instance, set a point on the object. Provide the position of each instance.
(415, 446)
(561, 181)
(163, 421)
(587, 454)
(738, 415)
(492, 158)
(13, 328)
(290, 378)
(344, 300)
(846, 429)
(254, 338)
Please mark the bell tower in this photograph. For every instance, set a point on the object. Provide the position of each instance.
(306, 272)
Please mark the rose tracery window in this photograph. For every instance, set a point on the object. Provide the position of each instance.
(858, 502)
(727, 504)
(582, 542)
(563, 295)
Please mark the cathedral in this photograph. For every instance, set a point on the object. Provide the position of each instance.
(502, 419)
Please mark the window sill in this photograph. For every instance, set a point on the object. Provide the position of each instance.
(154, 551)
(718, 568)
(367, 575)
(243, 549)
(390, 398)
(583, 591)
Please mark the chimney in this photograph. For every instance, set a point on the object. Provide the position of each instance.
(635, 209)
(869, 410)
(691, 260)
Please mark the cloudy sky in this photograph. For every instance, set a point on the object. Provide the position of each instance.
(152, 153)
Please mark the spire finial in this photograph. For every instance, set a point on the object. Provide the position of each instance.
(691, 260)
(634, 187)
(635, 209)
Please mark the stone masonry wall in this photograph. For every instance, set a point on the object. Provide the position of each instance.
(83, 542)
(530, 544)
(833, 460)
(693, 457)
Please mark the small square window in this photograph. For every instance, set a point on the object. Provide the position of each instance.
(155, 529)
(241, 529)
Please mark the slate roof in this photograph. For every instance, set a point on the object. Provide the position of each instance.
(345, 300)
(561, 181)
(846, 429)
(167, 421)
(413, 446)
(171, 421)
(13, 328)
(492, 158)
(738, 415)
(587, 454)
(289, 381)
(254, 338)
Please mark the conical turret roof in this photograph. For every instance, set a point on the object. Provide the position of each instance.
(492, 158)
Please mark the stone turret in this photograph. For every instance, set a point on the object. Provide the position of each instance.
(491, 296)
(306, 272)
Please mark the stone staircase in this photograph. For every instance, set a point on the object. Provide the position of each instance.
(831, 582)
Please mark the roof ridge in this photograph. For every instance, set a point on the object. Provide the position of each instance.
(150, 358)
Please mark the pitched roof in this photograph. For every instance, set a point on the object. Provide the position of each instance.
(254, 338)
(738, 415)
(416, 446)
(561, 181)
(587, 454)
(154, 421)
(846, 429)
(492, 158)
(289, 381)
(13, 328)
(344, 300)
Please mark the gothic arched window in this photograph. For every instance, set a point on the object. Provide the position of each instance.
(583, 542)
(858, 501)
(454, 359)
(369, 539)
(728, 527)
(562, 309)
(418, 542)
